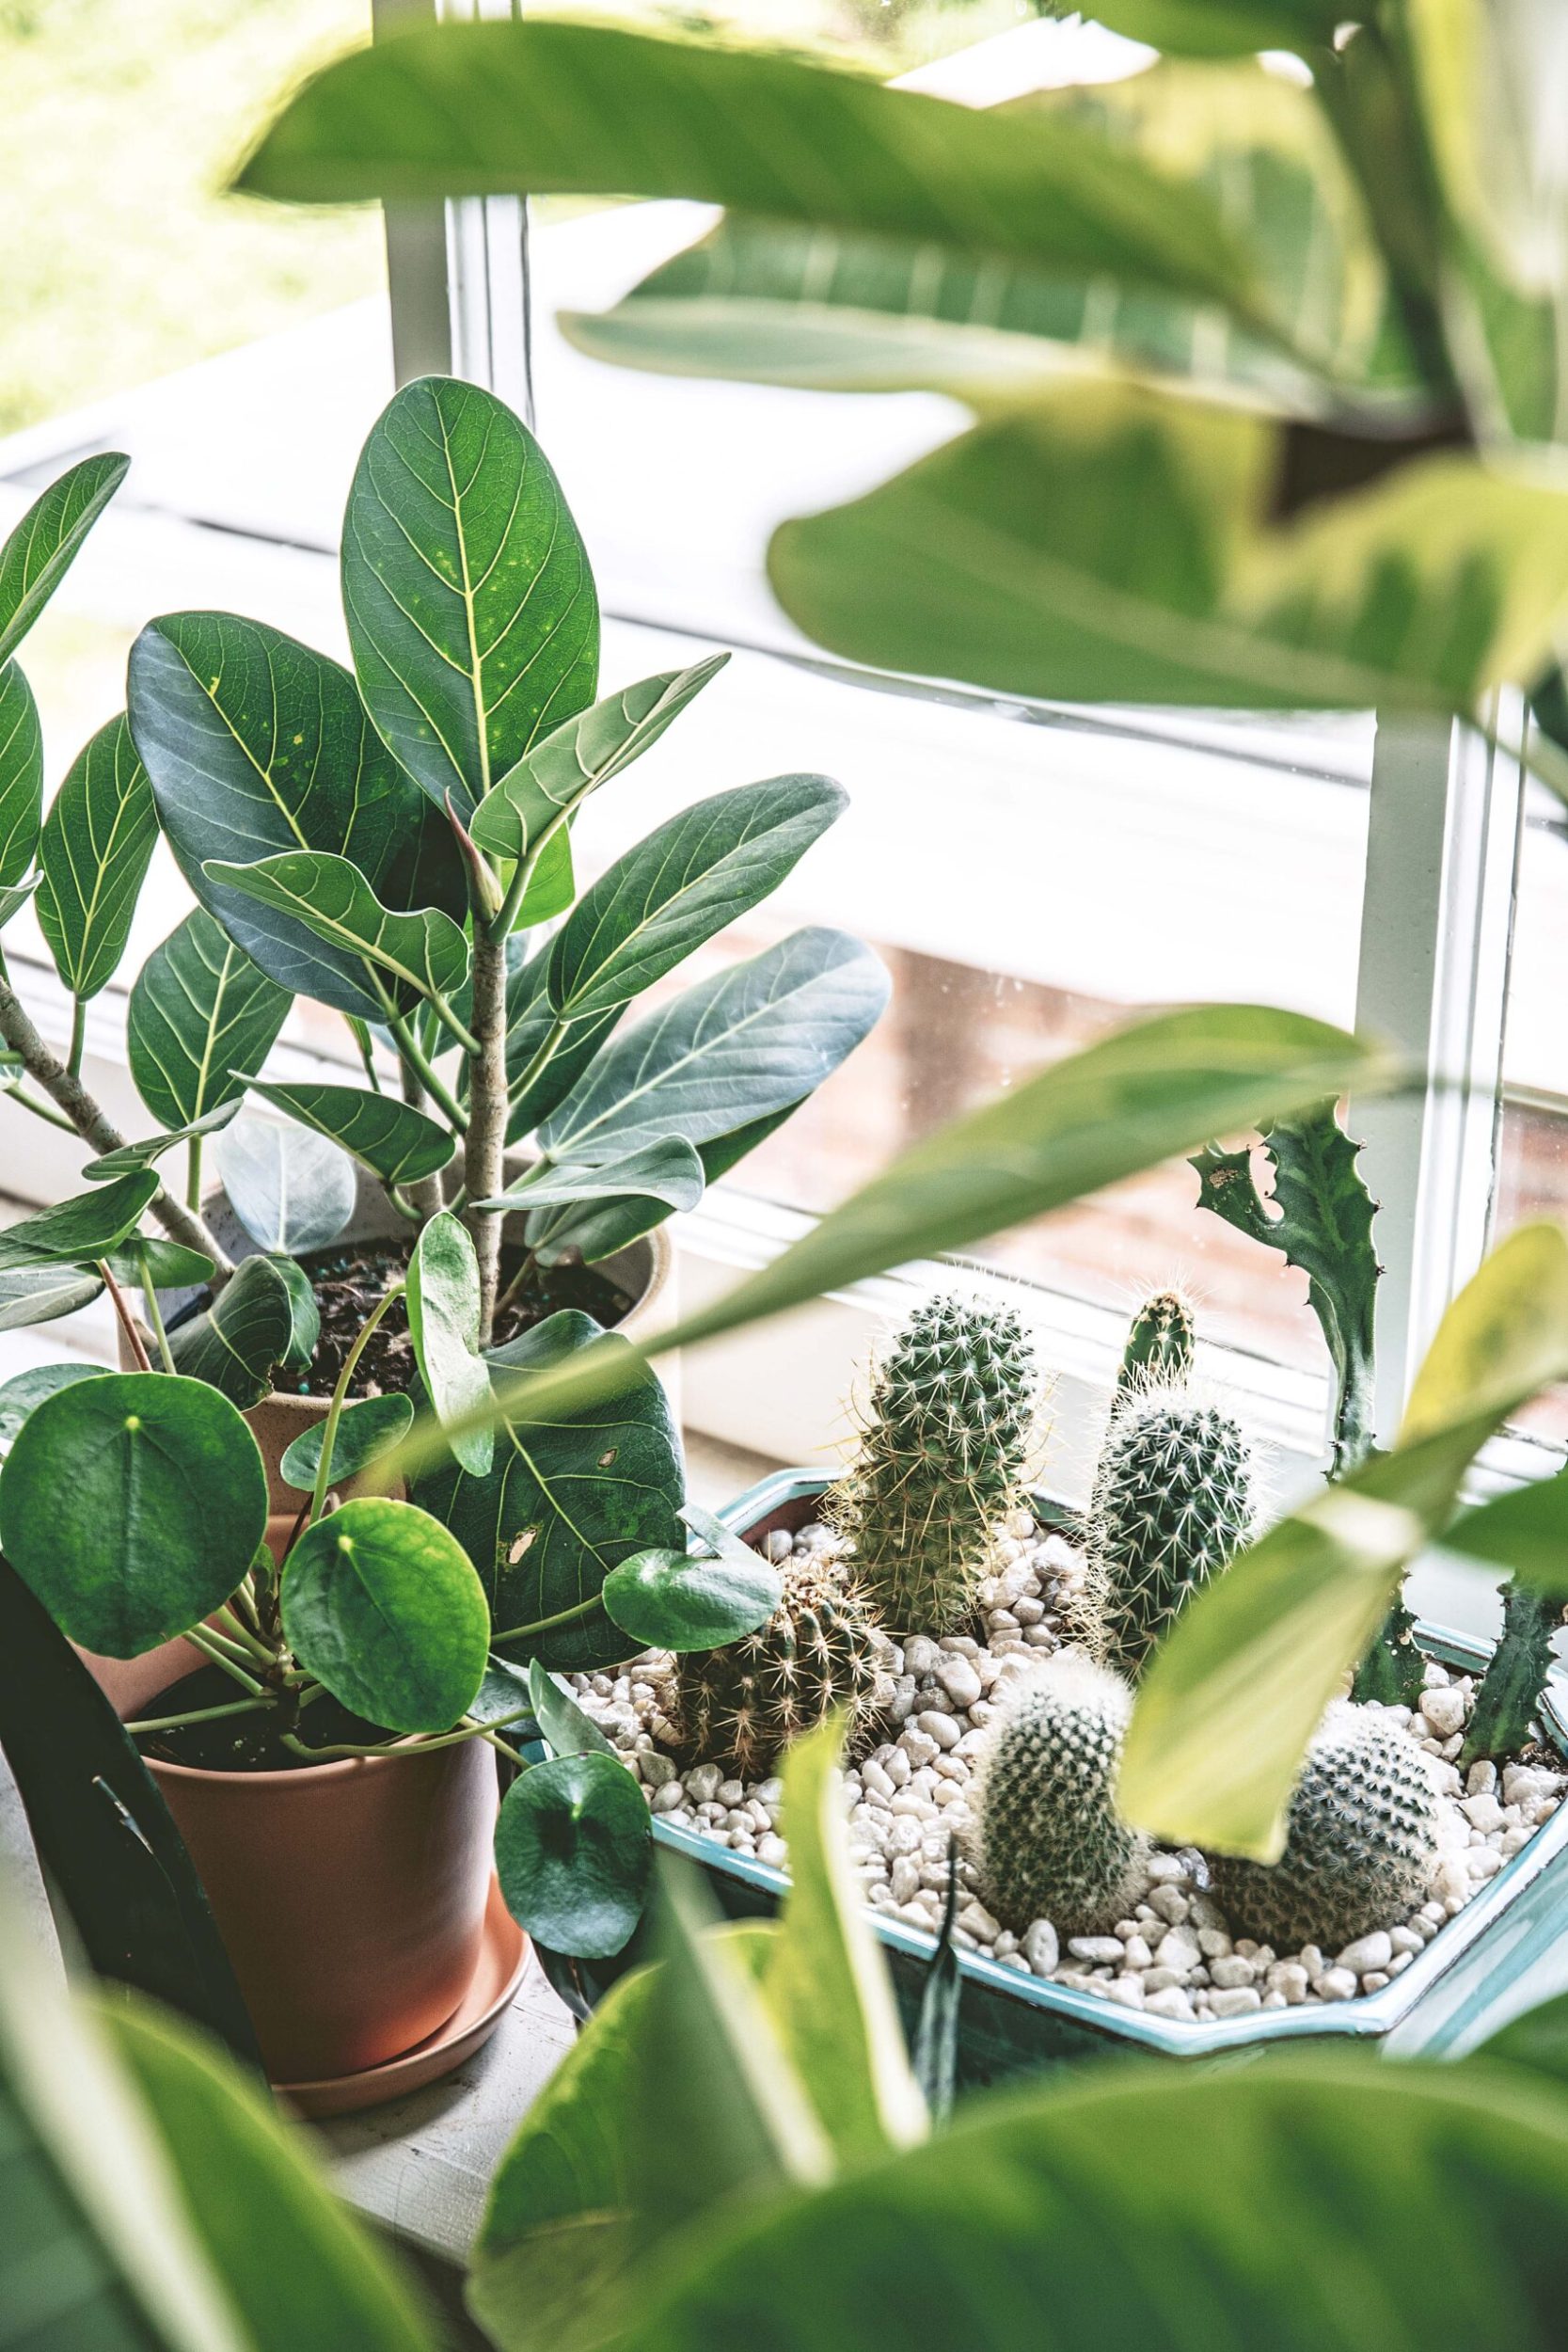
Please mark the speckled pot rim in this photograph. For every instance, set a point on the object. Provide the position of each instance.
(1507, 1949)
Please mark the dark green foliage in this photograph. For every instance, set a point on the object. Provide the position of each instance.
(1511, 1688)
(742, 1704)
(1172, 1502)
(944, 1456)
(1394, 1669)
(1361, 1846)
(1049, 1842)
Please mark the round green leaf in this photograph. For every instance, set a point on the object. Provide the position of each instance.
(671, 1600)
(132, 1505)
(364, 1430)
(574, 1852)
(382, 1606)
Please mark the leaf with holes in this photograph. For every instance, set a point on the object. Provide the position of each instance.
(470, 605)
(365, 1429)
(552, 781)
(381, 1605)
(129, 1156)
(133, 1506)
(39, 551)
(256, 745)
(706, 867)
(443, 1300)
(569, 1497)
(239, 1342)
(21, 776)
(97, 842)
(291, 1191)
(424, 951)
(82, 1228)
(199, 1011)
(392, 1139)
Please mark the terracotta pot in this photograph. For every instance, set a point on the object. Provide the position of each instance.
(351, 1895)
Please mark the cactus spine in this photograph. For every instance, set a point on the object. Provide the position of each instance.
(1361, 1842)
(944, 1456)
(1172, 1501)
(1511, 1688)
(741, 1704)
(1046, 1837)
(1159, 1350)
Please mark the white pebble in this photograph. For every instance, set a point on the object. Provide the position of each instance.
(1177, 1949)
(669, 1797)
(1237, 2001)
(1368, 1952)
(1482, 1812)
(1040, 1947)
(1231, 1973)
(1444, 1709)
(702, 1783)
(775, 1852)
(938, 1727)
(1100, 1950)
(1336, 1984)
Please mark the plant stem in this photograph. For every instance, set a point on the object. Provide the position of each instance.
(154, 1315)
(127, 1320)
(68, 1095)
(335, 1411)
(408, 1047)
(555, 1037)
(420, 1743)
(245, 1644)
(367, 1052)
(488, 1110)
(193, 1173)
(449, 1022)
(199, 1639)
(546, 1625)
(40, 1110)
(78, 1034)
(202, 1715)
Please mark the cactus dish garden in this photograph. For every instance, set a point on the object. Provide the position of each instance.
(985, 1648)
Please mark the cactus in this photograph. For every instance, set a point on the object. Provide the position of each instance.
(944, 1456)
(1159, 1350)
(1361, 1842)
(1172, 1501)
(1511, 1688)
(741, 1704)
(1045, 1836)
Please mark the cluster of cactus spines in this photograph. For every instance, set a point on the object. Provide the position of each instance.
(1361, 1845)
(944, 1456)
(1045, 1836)
(1173, 1498)
(1159, 1350)
(742, 1704)
(1510, 1694)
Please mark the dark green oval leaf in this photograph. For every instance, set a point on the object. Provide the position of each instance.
(39, 1293)
(554, 778)
(392, 1139)
(685, 882)
(97, 842)
(443, 1322)
(169, 1264)
(675, 1601)
(562, 1721)
(306, 1321)
(667, 1170)
(86, 1226)
(470, 601)
(199, 1011)
(732, 1049)
(530, 1022)
(256, 745)
(132, 1505)
(238, 1343)
(426, 951)
(503, 1697)
(25, 1390)
(364, 1430)
(292, 1191)
(129, 1156)
(381, 1604)
(41, 549)
(21, 776)
(574, 1852)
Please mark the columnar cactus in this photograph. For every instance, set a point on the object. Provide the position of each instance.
(1172, 1501)
(741, 1704)
(944, 1456)
(1511, 1688)
(1361, 1846)
(1159, 1350)
(1045, 1836)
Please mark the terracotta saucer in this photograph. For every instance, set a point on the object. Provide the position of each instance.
(503, 1956)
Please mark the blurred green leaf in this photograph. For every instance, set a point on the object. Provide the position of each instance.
(1538, 2039)
(574, 1851)
(1524, 1532)
(392, 1139)
(1223, 28)
(97, 843)
(381, 1605)
(236, 1344)
(199, 1011)
(133, 1506)
(443, 1299)
(39, 551)
(552, 780)
(21, 777)
(366, 1428)
(469, 601)
(86, 1226)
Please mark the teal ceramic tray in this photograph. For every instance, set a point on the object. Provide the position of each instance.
(1507, 1949)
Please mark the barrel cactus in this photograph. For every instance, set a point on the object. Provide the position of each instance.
(1045, 1838)
(1160, 1344)
(742, 1704)
(1172, 1501)
(944, 1456)
(1361, 1844)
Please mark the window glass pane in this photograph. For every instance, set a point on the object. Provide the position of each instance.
(1533, 1151)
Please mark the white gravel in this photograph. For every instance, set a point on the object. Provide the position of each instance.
(1174, 1955)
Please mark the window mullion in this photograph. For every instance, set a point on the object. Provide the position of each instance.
(1436, 933)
